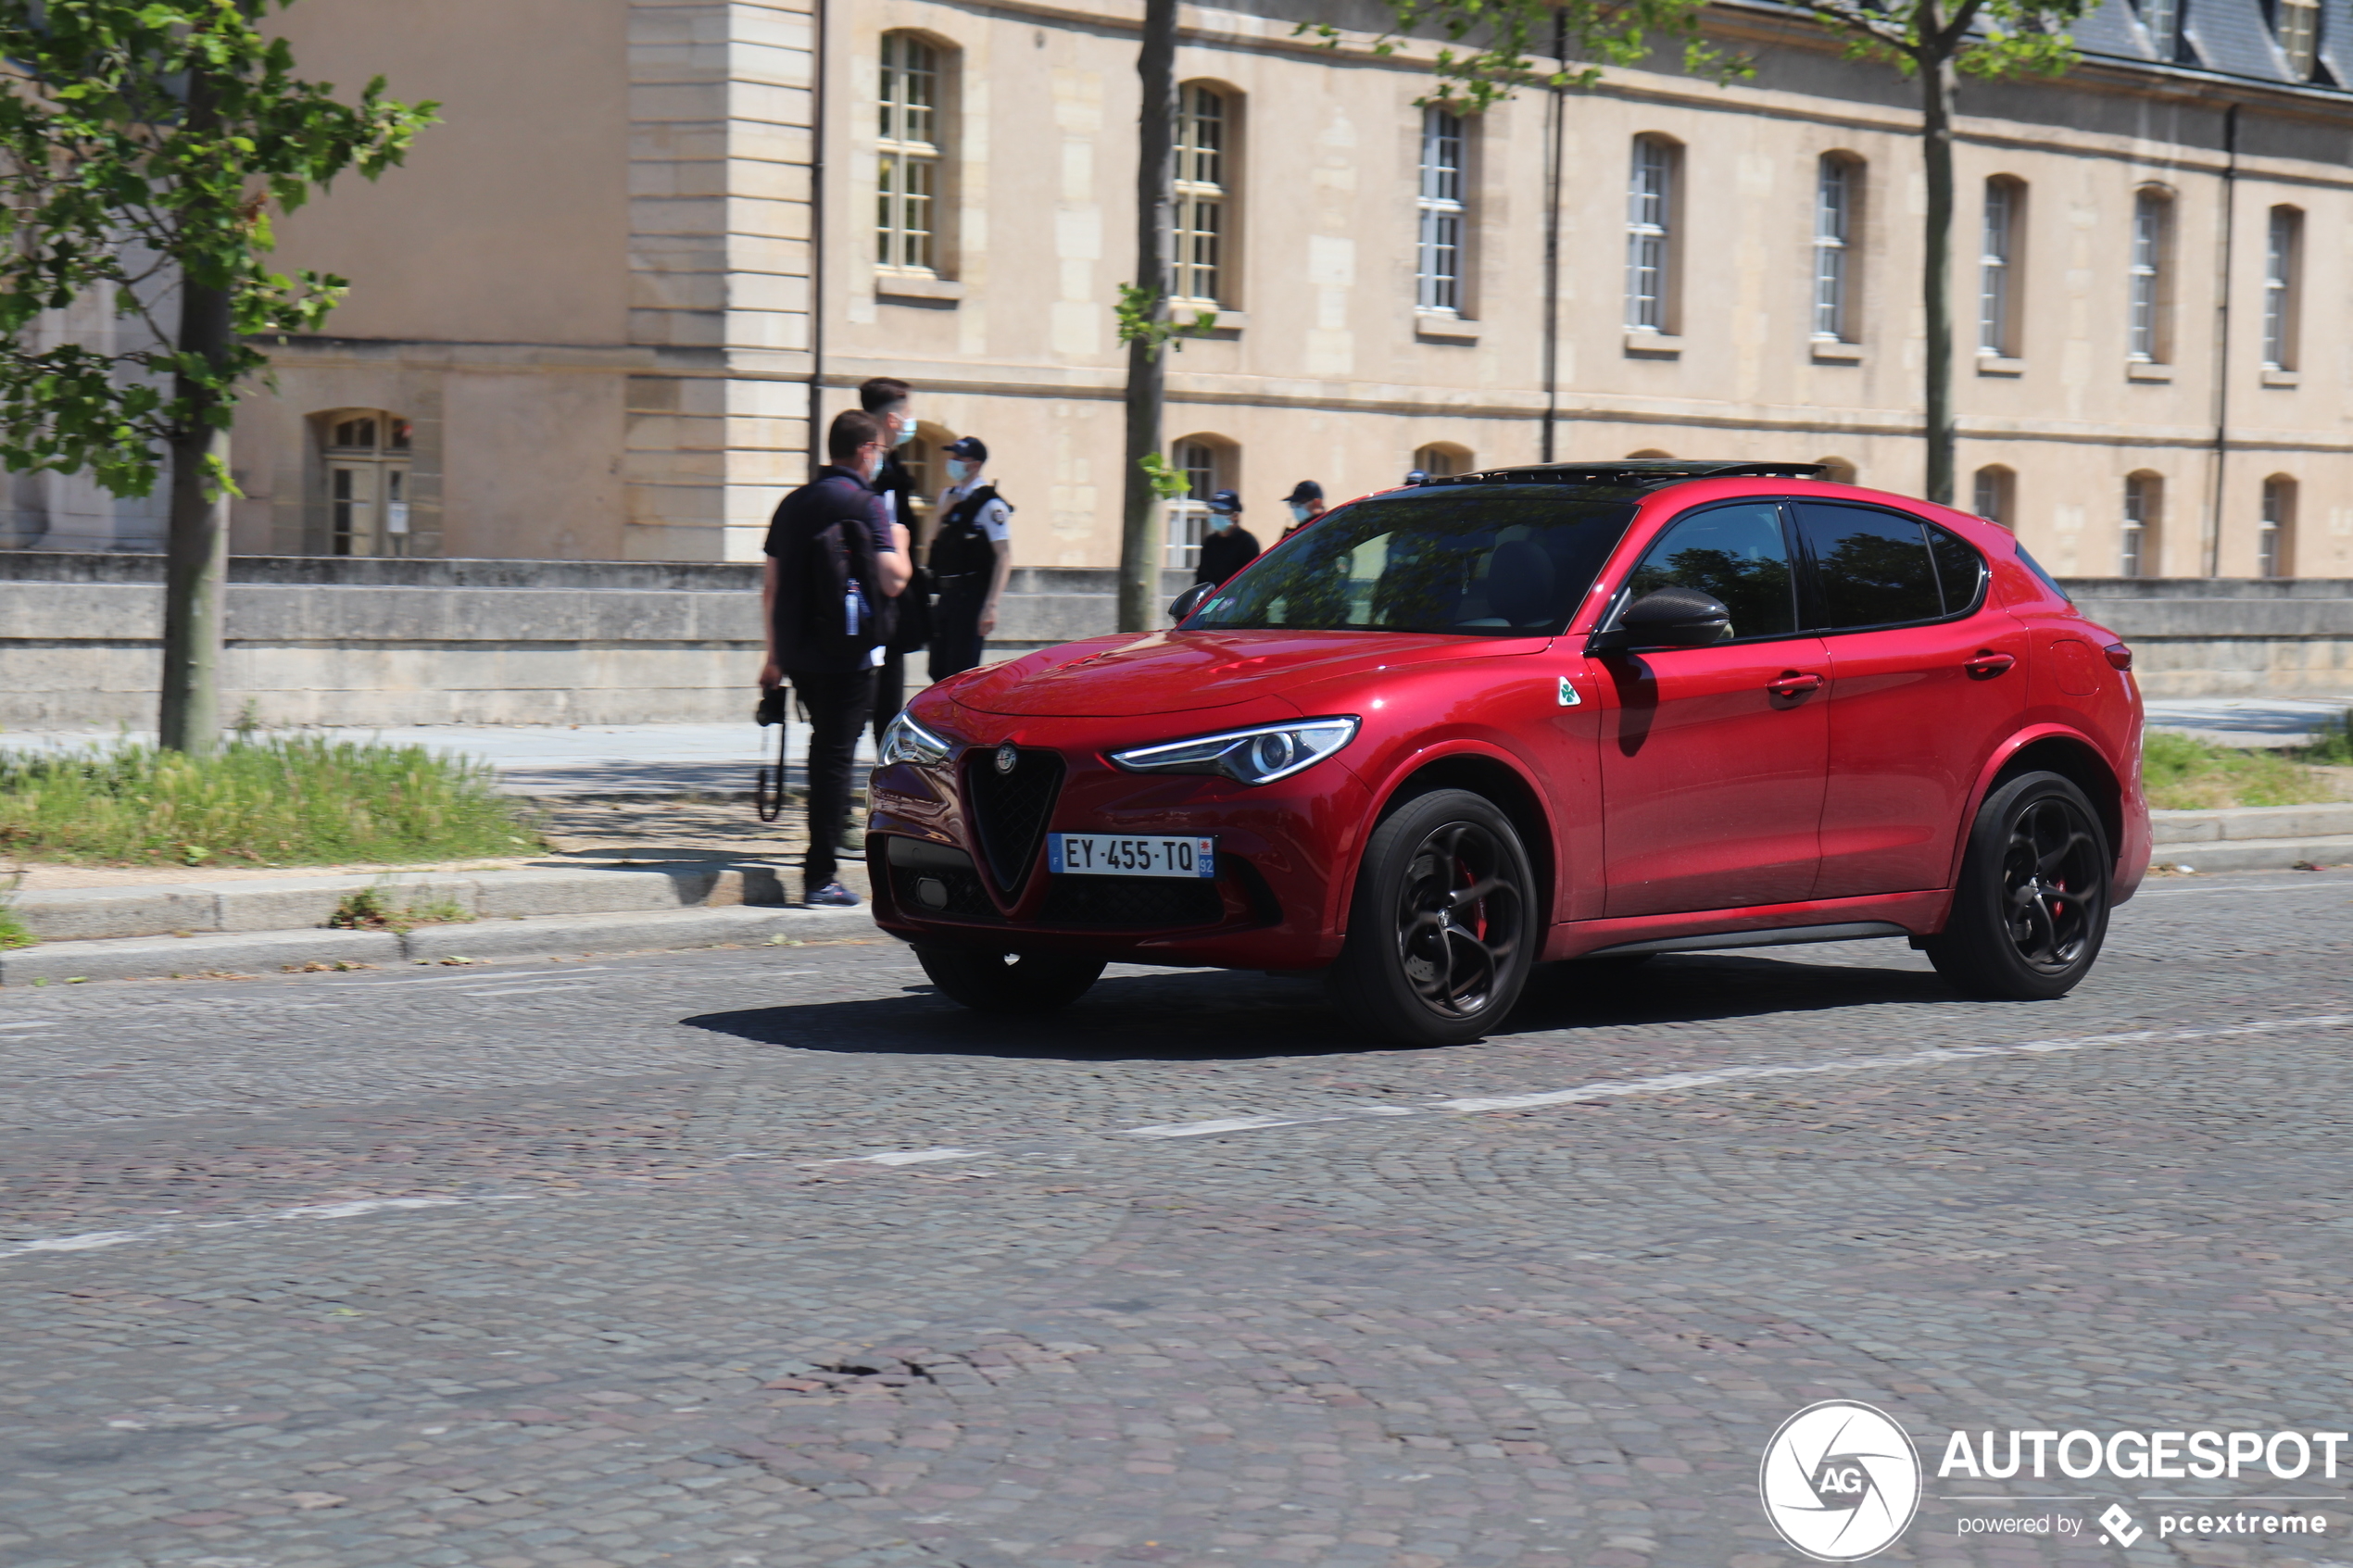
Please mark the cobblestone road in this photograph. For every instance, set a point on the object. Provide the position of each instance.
(774, 1260)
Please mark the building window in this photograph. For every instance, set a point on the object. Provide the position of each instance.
(1994, 495)
(1649, 216)
(2297, 22)
(2275, 536)
(2152, 242)
(2281, 252)
(1441, 458)
(1438, 257)
(366, 459)
(2144, 512)
(1837, 189)
(907, 170)
(1204, 131)
(1998, 287)
(1205, 464)
(2163, 20)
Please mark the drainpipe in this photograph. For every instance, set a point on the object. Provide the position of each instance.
(2213, 542)
(816, 237)
(1555, 118)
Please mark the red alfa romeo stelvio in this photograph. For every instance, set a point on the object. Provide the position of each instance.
(1541, 714)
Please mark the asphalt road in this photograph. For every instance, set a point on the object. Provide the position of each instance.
(771, 1258)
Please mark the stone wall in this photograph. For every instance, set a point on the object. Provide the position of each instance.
(323, 641)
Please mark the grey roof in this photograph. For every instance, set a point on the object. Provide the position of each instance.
(2229, 37)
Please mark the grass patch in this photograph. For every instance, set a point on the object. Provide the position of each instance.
(371, 910)
(2183, 774)
(2334, 745)
(12, 930)
(285, 800)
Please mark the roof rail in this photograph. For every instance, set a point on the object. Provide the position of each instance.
(1633, 470)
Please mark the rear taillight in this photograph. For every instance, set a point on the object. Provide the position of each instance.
(2119, 655)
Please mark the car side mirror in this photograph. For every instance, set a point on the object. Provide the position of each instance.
(1189, 600)
(1671, 618)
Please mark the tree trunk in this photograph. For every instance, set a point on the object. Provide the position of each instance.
(195, 562)
(1147, 371)
(1936, 269)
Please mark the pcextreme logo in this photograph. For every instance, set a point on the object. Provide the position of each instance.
(1840, 1481)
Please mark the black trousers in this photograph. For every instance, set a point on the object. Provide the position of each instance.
(956, 642)
(839, 705)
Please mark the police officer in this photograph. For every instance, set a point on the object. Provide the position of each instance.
(971, 555)
(834, 557)
(1229, 546)
(1306, 504)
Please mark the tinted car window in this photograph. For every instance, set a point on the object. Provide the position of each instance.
(1870, 568)
(1960, 571)
(1736, 553)
(2048, 580)
(1477, 561)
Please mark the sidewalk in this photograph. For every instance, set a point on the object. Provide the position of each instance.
(2248, 721)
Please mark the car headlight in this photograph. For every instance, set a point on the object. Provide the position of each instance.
(1259, 755)
(906, 740)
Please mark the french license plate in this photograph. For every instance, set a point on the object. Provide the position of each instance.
(1103, 854)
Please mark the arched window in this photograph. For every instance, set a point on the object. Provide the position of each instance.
(1994, 495)
(1998, 275)
(2283, 258)
(2152, 276)
(1441, 204)
(1651, 212)
(2298, 25)
(365, 454)
(1836, 470)
(908, 156)
(1838, 196)
(1205, 127)
(1441, 458)
(2143, 544)
(1208, 464)
(2275, 534)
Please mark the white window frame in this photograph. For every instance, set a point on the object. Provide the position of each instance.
(2282, 246)
(2163, 20)
(1993, 494)
(1997, 255)
(2275, 531)
(2152, 218)
(1204, 465)
(2133, 557)
(1834, 186)
(1650, 238)
(1202, 252)
(908, 156)
(2298, 25)
(1441, 213)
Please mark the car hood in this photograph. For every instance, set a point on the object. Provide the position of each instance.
(1178, 671)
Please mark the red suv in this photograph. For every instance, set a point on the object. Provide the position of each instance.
(1539, 714)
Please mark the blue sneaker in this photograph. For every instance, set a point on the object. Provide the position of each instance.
(832, 896)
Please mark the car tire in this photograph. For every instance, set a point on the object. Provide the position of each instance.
(2031, 909)
(1425, 962)
(1009, 983)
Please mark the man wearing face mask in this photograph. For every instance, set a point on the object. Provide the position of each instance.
(1306, 504)
(834, 556)
(907, 619)
(971, 555)
(1229, 546)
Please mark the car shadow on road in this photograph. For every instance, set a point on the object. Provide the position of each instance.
(1215, 1015)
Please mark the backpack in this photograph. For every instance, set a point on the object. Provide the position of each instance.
(837, 606)
(961, 549)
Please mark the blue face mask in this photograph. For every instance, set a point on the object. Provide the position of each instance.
(959, 471)
(1220, 521)
(1298, 510)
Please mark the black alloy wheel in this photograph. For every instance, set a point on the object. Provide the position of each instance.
(2031, 908)
(1009, 983)
(1443, 928)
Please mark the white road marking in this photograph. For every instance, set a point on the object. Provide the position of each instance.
(523, 990)
(1253, 1123)
(908, 1157)
(91, 1241)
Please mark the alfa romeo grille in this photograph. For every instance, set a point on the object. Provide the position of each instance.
(1009, 810)
(1132, 902)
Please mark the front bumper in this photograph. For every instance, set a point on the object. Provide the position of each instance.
(960, 859)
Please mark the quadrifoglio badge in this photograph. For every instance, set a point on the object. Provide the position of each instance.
(1842, 1480)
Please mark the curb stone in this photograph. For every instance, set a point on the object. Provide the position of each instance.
(156, 957)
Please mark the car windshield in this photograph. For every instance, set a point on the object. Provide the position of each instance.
(1477, 561)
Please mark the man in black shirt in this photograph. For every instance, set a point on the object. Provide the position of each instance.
(834, 557)
(1229, 546)
(906, 619)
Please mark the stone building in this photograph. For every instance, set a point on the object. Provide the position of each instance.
(590, 319)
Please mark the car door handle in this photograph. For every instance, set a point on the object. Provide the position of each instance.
(1988, 664)
(1795, 684)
